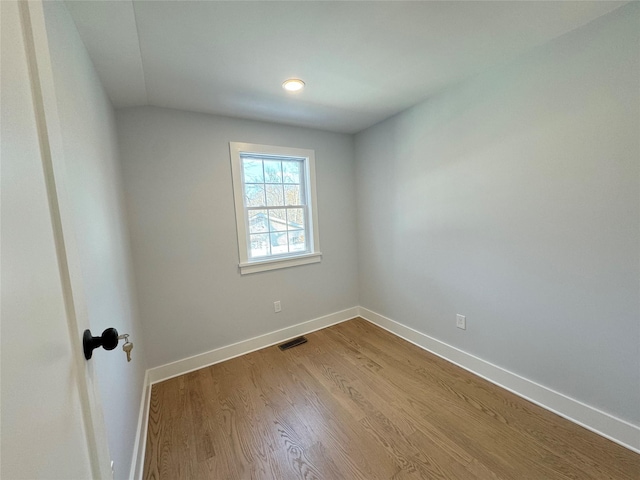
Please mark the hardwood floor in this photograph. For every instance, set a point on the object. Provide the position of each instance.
(356, 402)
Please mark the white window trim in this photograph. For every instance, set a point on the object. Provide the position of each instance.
(313, 255)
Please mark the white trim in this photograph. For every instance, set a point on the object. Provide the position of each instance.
(284, 262)
(591, 418)
(313, 254)
(137, 460)
(608, 426)
(196, 362)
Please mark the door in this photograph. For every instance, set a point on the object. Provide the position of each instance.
(51, 421)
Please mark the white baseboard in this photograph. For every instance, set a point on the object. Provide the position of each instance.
(608, 426)
(137, 461)
(196, 362)
(180, 367)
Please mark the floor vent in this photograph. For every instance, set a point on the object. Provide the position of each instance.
(292, 343)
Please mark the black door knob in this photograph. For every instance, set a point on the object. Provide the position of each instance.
(108, 340)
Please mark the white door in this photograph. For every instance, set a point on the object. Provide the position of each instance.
(51, 424)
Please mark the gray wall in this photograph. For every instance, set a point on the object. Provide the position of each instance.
(177, 176)
(514, 199)
(93, 182)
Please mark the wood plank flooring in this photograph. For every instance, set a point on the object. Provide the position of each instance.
(357, 402)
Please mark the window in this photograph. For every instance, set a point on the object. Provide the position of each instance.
(274, 193)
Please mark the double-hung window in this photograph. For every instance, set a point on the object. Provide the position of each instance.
(275, 199)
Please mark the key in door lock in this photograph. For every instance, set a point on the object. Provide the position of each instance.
(108, 340)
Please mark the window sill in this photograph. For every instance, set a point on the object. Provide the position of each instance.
(275, 263)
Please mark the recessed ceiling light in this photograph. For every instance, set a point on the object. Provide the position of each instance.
(293, 85)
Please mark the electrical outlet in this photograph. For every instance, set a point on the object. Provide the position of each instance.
(276, 306)
(461, 322)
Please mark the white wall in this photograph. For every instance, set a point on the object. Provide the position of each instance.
(93, 183)
(177, 176)
(514, 199)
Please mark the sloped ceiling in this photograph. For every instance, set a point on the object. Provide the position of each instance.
(362, 61)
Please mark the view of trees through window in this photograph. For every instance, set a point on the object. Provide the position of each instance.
(275, 201)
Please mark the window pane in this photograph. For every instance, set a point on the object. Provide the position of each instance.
(254, 195)
(259, 245)
(253, 171)
(292, 195)
(296, 241)
(277, 220)
(258, 221)
(295, 217)
(279, 243)
(291, 172)
(273, 171)
(275, 196)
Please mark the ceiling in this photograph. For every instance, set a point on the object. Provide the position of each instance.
(362, 61)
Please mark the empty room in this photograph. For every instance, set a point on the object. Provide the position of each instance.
(320, 239)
